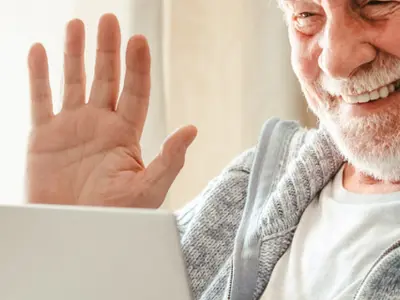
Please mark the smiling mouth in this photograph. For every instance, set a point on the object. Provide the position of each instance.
(381, 93)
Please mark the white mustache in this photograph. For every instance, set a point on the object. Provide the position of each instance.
(385, 69)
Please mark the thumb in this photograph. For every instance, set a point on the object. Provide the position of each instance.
(163, 170)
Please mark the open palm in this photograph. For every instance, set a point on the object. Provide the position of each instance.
(89, 153)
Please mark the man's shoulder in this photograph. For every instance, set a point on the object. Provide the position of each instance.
(280, 141)
(276, 134)
(230, 186)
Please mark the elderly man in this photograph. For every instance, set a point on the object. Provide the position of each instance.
(303, 215)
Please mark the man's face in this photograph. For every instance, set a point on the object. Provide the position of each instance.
(346, 55)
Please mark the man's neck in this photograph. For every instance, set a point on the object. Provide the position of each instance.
(357, 182)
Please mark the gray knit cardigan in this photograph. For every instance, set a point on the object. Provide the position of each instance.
(236, 230)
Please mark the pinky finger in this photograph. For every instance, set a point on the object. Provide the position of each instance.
(40, 92)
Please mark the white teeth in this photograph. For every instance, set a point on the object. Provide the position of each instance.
(383, 92)
(363, 98)
(374, 95)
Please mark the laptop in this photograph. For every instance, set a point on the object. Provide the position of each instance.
(63, 252)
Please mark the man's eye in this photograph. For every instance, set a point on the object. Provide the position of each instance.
(308, 23)
(378, 9)
(305, 15)
(377, 2)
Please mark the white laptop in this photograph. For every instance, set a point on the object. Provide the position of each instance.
(85, 253)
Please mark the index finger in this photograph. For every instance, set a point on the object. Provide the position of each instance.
(134, 101)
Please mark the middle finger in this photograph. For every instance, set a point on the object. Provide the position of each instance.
(105, 85)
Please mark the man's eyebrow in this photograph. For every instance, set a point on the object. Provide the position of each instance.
(285, 3)
(299, 1)
(293, 1)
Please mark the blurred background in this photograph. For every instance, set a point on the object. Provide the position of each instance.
(223, 66)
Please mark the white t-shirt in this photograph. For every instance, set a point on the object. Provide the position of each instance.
(339, 237)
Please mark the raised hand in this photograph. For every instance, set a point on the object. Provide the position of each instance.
(89, 153)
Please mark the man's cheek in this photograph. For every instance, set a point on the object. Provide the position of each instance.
(304, 57)
(305, 67)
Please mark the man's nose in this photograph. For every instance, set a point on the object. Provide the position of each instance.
(345, 46)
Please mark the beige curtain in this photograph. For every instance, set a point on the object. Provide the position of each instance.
(228, 70)
(223, 66)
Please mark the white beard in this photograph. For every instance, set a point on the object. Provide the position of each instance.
(370, 143)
